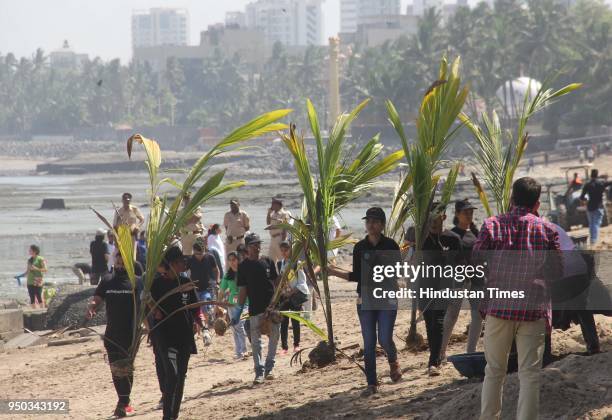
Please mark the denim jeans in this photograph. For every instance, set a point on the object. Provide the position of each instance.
(257, 344)
(239, 338)
(384, 321)
(595, 217)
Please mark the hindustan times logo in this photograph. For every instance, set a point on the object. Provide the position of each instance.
(412, 272)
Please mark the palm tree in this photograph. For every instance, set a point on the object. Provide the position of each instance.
(329, 184)
(436, 127)
(498, 161)
(167, 217)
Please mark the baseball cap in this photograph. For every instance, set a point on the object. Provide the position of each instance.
(463, 205)
(252, 238)
(375, 213)
(100, 232)
(234, 201)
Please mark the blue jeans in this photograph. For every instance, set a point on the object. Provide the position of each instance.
(239, 338)
(595, 217)
(370, 320)
(256, 345)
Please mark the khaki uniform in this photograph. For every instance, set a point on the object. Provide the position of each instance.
(235, 227)
(191, 232)
(276, 235)
(131, 217)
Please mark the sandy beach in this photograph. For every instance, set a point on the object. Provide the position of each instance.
(218, 384)
(574, 387)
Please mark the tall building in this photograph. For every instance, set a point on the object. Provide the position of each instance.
(236, 19)
(354, 12)
(160, 26)
(420, 6)
(291, 22)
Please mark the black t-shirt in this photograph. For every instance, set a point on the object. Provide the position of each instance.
(384, 244)
(176, 331)
(98, 249)
(203, 272)
(259, 278)
(119, 298)
(595, 189)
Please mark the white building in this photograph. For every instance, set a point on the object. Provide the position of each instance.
(66, 58)
(355, 12)
(236, 19)
(160, 26)
(291, 22)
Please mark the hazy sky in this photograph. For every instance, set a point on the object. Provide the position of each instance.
(102, 27)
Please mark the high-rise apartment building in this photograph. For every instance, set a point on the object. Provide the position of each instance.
(160, 26)
(355, 12)
(290, 22)
(420, 6)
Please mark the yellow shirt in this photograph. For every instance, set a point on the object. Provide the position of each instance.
(236, 224)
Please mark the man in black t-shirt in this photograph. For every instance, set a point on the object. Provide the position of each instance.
(119, 296)
(595, 189)
(100, 254)
(174, 328)
(256, 280)
(204, 272)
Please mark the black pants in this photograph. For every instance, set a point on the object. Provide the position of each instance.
(35, 292)
(174, 364)
(287, 305)
(123, 384)
(434, 323)
(159, 368)
(589, 332)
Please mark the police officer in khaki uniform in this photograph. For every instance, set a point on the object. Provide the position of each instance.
(128, 215)
(193, 228)
(237, 224)
(276, 215)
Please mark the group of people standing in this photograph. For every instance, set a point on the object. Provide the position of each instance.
(232, 271)
(236, 272)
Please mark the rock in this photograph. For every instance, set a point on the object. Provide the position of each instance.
(53, 204)
(69, 307)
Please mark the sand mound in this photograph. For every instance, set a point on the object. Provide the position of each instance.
(572, 388)
(69, 306)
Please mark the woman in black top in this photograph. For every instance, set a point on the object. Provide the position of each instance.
(467, 233)
(372, 320)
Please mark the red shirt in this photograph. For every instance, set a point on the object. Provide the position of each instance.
(523, 254)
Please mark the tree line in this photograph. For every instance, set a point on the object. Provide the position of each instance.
(535, 38)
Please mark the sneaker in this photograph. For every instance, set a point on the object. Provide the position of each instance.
(395, 372)
(369, 391)
(284, 352)
(206, 338)
(122, 411)
(259, 379)
(270, 376)
(433, 371)
(296, 349)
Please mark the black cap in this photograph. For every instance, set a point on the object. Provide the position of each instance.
(375, 213)
(234, 201)
(284, 244)
(126, 194)
(252, 238)
(463, 205)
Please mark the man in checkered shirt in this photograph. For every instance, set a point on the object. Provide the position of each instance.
(522, 254)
